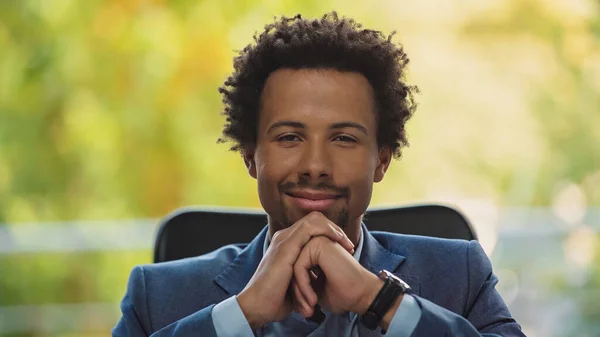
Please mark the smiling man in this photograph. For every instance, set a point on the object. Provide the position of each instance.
(317, 109)
(316, 147)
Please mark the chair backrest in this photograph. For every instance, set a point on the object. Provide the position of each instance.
(194, 231)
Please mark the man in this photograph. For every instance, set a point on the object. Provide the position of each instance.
(317, 109)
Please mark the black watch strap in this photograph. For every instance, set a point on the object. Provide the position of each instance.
(392, 288)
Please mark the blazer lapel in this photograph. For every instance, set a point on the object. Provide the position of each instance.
(376, 257)
(235, 277)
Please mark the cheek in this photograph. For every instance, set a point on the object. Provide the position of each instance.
(359, 178)
(357, 170)
(267, 192)
(271, 170)
(274, 165)
(266, 179)
(361, 192)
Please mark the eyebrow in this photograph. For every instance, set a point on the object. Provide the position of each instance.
(343, 125)
(299, 125)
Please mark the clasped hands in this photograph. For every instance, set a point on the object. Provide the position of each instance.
(284, 279)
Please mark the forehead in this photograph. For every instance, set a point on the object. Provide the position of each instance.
(317, 95)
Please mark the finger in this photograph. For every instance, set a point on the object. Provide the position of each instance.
(316, 224)
(345, 242)
(304, 308)
(302, 278)
(298, 307)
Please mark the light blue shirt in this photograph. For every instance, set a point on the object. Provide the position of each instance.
(229, 320)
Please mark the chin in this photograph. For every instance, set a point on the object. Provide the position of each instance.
(337, 216)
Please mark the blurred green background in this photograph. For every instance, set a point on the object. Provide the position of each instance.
(109, 115)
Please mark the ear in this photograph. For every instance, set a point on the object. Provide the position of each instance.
(248, 155)
(383, 162)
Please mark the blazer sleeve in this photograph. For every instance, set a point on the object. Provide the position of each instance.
(135, 321)
(486, 313)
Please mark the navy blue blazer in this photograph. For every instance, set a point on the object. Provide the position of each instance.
(452, 281)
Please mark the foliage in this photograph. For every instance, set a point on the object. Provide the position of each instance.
(110, 110)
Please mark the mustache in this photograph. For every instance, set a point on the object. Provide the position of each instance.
(289, 186)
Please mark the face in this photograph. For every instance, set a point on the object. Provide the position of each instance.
(316, 147)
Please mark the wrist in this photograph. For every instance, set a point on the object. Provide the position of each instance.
(383, 305)
(373, 285)
(245, 302)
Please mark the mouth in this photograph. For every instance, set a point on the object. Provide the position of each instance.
(313, 200)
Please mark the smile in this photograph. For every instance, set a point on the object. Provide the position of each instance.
(312, 200)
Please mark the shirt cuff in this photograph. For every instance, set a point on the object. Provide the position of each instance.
(229, 320)
(405, 319)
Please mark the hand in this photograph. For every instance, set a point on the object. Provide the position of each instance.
(266, 298)
(344, 285)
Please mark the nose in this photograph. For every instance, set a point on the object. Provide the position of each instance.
(316, 162)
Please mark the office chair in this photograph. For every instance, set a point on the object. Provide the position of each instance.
(194, 231)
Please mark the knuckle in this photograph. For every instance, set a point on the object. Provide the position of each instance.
(277, 236)
(315, 214)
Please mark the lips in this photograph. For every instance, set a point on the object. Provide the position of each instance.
(312, 195)
(313, 200)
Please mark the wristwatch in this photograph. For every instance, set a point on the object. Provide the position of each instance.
(392, 288)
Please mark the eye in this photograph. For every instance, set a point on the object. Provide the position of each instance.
(288, 138)
(345, 139)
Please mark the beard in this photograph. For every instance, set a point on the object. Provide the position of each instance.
(339, 217)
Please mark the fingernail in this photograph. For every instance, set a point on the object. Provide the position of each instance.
(350, 242)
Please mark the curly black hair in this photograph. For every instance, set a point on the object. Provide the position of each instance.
(330, 42)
